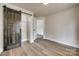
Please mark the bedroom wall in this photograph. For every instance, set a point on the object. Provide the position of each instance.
(1, 29)
(35, 32)
(1, 21)
(63, 27)
(24, 27)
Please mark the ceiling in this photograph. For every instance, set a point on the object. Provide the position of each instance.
(40, 9)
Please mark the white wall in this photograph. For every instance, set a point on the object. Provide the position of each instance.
(24, 27)
(1, 21)
(63, 27)
(35, 28)
(30, 33)
(1, 29)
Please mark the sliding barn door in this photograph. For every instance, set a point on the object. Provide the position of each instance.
(12, 29)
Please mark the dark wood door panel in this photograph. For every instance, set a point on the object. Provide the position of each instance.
(12, 29)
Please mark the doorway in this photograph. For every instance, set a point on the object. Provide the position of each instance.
(40, 27)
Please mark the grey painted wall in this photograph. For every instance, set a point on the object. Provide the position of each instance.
(63, 27)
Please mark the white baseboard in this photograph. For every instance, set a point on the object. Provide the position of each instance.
(51, 39)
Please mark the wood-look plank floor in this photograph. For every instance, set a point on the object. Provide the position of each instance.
(41, 47)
